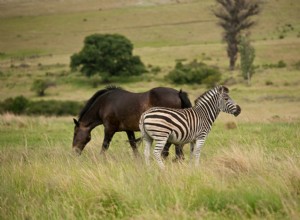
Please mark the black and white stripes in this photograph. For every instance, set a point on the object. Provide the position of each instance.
(181, 126)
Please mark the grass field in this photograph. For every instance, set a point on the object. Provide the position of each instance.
(250, 165)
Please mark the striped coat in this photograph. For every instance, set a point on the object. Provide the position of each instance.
(181, 126)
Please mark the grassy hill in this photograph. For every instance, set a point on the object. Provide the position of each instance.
(249, 165)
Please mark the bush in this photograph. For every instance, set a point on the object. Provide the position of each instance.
(279, 64)
(297, 65)
(16, 105)
(39, 86)
(53, 107)
(21, 105)
(247, 55)
(194, 73)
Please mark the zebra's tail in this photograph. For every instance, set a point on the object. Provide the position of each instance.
(142, 129)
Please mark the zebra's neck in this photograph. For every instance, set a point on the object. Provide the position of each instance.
(207, 104)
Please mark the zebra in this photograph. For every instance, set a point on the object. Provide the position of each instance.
(181, 126)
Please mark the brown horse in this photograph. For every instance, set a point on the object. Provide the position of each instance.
(120, 110)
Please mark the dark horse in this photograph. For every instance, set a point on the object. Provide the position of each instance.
(120, 110)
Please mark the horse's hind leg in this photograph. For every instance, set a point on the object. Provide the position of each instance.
(179, 152)
(165, 151)
(131, 138)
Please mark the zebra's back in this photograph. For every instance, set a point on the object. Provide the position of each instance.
(178, 126)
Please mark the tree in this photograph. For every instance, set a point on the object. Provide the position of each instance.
(39, 86)
(107, 55)
(234, 17)
(247, 55)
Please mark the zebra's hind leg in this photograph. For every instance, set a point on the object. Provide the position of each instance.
(157, 152)
(148, 142)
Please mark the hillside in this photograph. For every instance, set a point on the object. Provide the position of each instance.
(174, 30)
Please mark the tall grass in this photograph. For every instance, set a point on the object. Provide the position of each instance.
(235, 180)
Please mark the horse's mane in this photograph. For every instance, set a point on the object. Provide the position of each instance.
(91, 101)
(214, 91)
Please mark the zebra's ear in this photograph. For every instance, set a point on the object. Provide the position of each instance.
(225, 89)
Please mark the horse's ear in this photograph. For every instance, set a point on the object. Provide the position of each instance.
(76, 122)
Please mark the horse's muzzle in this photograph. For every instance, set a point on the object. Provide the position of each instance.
(237, 111)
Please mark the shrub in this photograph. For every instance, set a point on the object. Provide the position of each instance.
(194, 73)
(21, 105)
(53, 107)
(39, 86)
(281, 64)
(16, 105)
(269, 83)
(297, 65)
(247, 55)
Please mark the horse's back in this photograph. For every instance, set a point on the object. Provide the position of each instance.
(164, 97)
(122, 109)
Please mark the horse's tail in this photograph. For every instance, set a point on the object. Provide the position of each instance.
(185, 101)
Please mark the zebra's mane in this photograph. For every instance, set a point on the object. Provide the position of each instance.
(91, 101)
(217, 90)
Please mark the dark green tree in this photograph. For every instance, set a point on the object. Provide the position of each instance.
(107, 55)
(234, 17)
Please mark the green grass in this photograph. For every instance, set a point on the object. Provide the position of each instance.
(239, 177)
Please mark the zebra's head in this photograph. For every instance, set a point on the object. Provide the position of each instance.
(226, 104)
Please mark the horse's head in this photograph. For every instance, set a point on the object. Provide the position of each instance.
(82, 135)
(226, 103)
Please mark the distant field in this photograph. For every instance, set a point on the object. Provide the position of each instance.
(153, 29)
(249, 164)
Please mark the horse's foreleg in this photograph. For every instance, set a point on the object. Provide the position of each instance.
(108, 134)
(131, 138)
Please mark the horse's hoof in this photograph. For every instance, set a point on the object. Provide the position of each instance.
(178, 159)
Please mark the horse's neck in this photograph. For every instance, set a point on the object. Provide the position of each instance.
(91, 118)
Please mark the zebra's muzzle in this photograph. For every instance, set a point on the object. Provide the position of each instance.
(237, 111)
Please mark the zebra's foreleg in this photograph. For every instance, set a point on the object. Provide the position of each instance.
(157, 152)
(197, 149)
